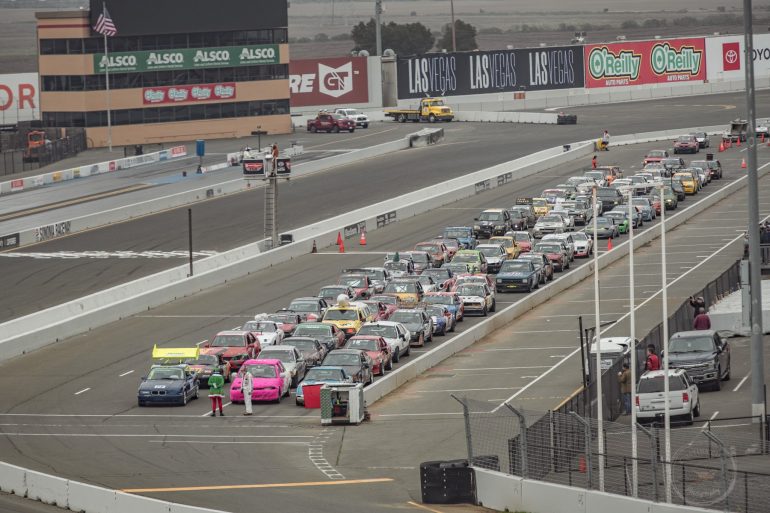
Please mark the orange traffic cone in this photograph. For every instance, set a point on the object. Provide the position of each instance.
(315, 249)
(738, 144)
(609, 245)
(582, 464)
(362, 240)
(743, 164)
(339, 238)
(721, 146)
(762, 140)
(342, 247)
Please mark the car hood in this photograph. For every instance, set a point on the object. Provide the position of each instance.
(413, 327)
(471, 298)
(259, 382)
(514, 274)
(547, 224)
(494, 260)
(161, 384)
(225, 352)
(690, 358)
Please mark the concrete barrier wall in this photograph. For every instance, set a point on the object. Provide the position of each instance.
(506, 117)
(503, 492)
(74, 496)
(110, 166)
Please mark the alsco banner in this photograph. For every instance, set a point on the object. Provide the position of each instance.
(645, 62)
(187, 58)
(188, 93)
(469, 73)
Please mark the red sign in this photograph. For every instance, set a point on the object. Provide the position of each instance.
(17, 185)
(178, 151)
(188, 93)
(336, 81)
(645, 62)
(731, 56)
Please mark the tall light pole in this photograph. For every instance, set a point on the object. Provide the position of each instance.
(378, 28)
(632, 316)
(597, 335)
(666, 387)
(755, 288)
(454, 35)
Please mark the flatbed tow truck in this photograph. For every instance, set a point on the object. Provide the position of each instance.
(430, 109)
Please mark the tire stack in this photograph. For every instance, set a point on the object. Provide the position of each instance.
(566, 119)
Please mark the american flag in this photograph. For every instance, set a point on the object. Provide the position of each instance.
(104, 24)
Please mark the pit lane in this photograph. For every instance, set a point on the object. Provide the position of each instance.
(33, 284)
(415, 424)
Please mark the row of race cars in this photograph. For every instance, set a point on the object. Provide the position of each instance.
(371, 317)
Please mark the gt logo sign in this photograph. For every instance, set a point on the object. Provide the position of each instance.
(335, 81)
(731, 56)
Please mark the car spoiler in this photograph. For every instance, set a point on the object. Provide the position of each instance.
(523, 201)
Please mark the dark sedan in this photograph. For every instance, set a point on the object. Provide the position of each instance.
(355, 362)
(517, 275)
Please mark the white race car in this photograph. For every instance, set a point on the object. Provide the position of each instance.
(269, 333)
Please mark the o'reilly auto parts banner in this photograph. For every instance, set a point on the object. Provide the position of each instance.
(341, 80)
(187, 58)
(645, 62)
(726, 57)
(468, 73)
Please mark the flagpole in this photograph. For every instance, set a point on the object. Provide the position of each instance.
(107, 80)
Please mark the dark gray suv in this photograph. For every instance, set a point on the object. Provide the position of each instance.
(703, 354)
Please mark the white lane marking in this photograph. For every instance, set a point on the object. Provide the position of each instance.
(464, 390)
(221, 442)
(528, 377)
(153, 435)
(625, 315)
(534, 331)
(84, 390)
(208, 414)
(71, 255)
(125, 373)
(528, 348)
(198, 344)
(315, 454)
(705, 424)
(740, 384)
(145, 415)
(504, 368)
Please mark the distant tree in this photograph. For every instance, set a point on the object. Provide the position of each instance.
(404, 39)
(321, 38)
(465, 36)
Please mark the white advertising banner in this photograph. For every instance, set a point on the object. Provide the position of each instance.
(725, 57)
(19, 98)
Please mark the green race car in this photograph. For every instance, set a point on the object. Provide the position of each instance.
(620, 219)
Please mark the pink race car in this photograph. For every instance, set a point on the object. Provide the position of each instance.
(271, 381)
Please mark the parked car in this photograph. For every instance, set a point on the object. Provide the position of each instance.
(684, 400)
(328, 122)
(355, 115)
(703, 354)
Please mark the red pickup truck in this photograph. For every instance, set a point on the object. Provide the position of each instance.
(325, 122)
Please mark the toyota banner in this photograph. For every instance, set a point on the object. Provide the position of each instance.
(726, 57)
(333, 81)
(469, 73)
(645, 62)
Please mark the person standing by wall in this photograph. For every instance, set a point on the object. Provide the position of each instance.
(624, 378)
(216, 393)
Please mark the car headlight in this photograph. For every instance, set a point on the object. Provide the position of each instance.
(499, 227)
(499, 280)
(711, 365)
(524, 281)
(144, 392)
(476, 227)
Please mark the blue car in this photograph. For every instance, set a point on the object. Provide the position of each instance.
(464, 234)
(441, 321)
(168, 384)
(516, 275)
(321, 375)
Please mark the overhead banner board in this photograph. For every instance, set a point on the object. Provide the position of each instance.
(726, 57)
(469, 73)
(188, 93)
(187, 58)
(631, 63)
(334, 81)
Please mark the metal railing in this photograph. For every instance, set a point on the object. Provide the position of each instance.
(19, 160)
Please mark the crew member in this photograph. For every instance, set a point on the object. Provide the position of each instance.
(216, 393)
(274, 152)
(653, 362)
(247, 386)
(593, 162)
(606, 141)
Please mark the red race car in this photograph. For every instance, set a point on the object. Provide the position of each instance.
(287, 319)
(377, 349)
(233, 347)
(382, 311)
(360, 283)
(686, 144)
(654, 156)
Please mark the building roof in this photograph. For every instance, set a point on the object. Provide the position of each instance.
(50, 15)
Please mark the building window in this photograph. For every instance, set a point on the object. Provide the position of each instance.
(166, 114)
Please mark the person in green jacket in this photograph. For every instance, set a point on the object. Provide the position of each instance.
(216, 393)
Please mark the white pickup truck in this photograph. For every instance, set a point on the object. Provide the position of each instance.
(684, 401)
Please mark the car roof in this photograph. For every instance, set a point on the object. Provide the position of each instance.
(693, 334)
(264, 361)
(498, 210)
(280, 347)
(345, 351)
(660, 373)
(233, 332)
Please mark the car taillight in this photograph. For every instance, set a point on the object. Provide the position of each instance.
(350, 330)
(685, 397)
(637, 400)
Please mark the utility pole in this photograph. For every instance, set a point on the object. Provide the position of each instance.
(378, 27)
(755, 260)
(454, 35)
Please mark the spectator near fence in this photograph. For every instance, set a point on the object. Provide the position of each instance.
(702, 320)
(697, 303)
(624, 378)
(653, 362)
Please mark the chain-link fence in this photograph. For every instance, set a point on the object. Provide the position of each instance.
(705, 468)
(53, 150)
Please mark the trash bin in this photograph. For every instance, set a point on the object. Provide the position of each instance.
(312, 395)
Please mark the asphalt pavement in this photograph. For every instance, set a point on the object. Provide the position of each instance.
(73, 407)
(47, 276)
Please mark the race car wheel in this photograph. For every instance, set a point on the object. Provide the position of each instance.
(365, 125)
(408, 351)
(278, 400)
(454, 325)
(336, 130)
(382, 369)
(296, 401)
(401, 118)
(140, 403)
(397, 355)
(184, 398)
(494, 306)
(432, 118)
(287, 393)
(293, 382)
(196, 393)
(696, 411)
(352, 130)
(718, 382)
(314, 129)
(484, 312)
(389, 366)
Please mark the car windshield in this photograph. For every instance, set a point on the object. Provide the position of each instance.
(406, 317)
(304, 306)
(425, 279)
(595, 175)
(603, 221)
(419, 257)
(548, 248)
(401, 287)
(203, 359)
(272, 354)
(504, 242)
(683, 176)
(324, 375)
(439, 300)
(379, 331)
(540, 202)
(228, 341)
(521, 236)
(388, 300)
(610, 193)
(671, 162)
(261, 370)
(551, 219)
(490, 216)
(490, 252)
(286, 318)
(401, 265)
(657, 384)
(579, 236)
(430, 248)
(457, 234)
(336, 358)
(657, 154)
(643, 202)
(615, 215)
(333, 291)
(691, 345)
(467, 258)
(341, 315)
(365, 344)
(262, 327)
(684, 138)
(516, 213)
(313, 329)
(514, 266)
(451, 243)
(535, 259)
(438, 274)
(470, 290)
(353, 281)
(456, 267)
(306, 345)
(166, 373)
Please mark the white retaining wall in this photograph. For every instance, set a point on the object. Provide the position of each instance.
(81, 497)
(503, 492)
